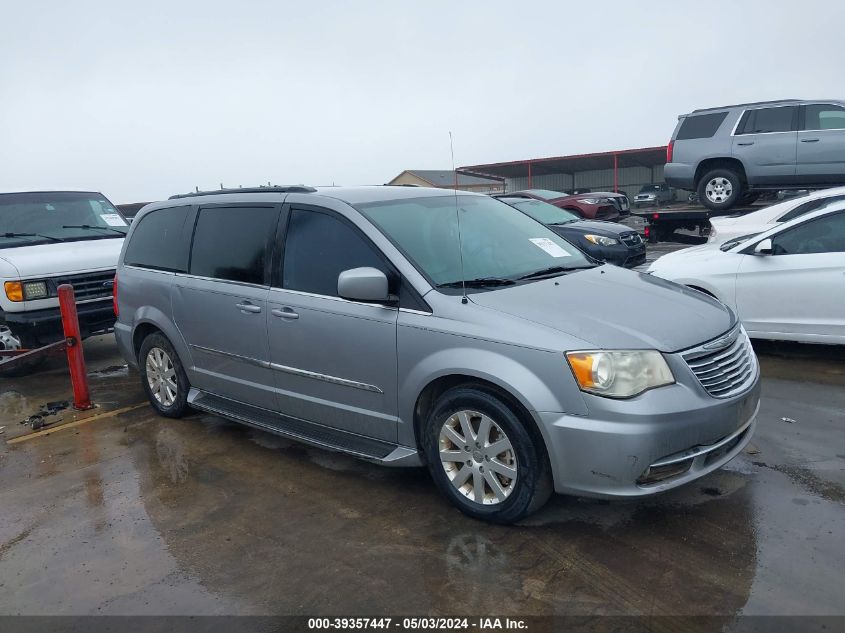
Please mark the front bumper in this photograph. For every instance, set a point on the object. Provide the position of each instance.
(45, 326)
(659, 440)
(620, 254)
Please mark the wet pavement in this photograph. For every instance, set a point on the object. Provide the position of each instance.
(137, 514)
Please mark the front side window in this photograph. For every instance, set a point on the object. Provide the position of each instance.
(822, 235)
(767, 120)
(232, 243)
(824, 117)
(157, 241)
(318, 248)
(494, 241)
(39, 218)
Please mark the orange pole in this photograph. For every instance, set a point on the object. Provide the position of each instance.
(73, 345)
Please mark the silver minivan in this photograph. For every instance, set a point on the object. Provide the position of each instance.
(412, 326)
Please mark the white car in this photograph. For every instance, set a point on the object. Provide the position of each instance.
(787, 283)
(726, 228)
(47, 239)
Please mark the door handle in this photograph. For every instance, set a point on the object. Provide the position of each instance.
(286, 313)
(248, 307)
(809, 140)
(746, 143)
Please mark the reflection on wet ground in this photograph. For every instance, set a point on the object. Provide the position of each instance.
(139, 514)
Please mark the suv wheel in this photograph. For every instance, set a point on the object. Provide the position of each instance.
(720, 189)
(163, 376)
(483, 458)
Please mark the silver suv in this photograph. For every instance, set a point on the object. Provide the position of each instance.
(729, 155)
(413, 326)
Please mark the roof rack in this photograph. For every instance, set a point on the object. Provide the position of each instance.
(265, 189)
(752, 103)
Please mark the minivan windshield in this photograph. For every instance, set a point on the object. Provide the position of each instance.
(64, 216)
(500, 245)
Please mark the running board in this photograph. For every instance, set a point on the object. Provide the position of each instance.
(385, 453)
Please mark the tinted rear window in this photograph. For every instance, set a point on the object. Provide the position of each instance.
(700, 126)
(232, 243)
(157, 241)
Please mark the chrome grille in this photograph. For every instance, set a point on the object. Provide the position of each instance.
(631, 239)
(88, 286)
(725, 366)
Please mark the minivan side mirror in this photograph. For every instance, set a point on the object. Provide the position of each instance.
(363, 284)
(764, 248)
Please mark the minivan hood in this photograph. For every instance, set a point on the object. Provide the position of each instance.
(44, 260)
(614, 308)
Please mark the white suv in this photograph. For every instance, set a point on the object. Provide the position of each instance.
(48, 239)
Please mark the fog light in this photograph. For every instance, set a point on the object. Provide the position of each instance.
(655, 474)
(35, 290)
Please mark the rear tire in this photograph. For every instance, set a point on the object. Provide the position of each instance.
(720, 189)
(483, 458)
(163, 376)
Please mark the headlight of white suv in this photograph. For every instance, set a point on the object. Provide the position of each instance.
(601, 240)
(619, 374)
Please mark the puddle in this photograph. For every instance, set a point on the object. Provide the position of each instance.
(14, 407)
(110, 371)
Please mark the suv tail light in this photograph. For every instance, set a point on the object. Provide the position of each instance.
(669, 149)
(114, 296)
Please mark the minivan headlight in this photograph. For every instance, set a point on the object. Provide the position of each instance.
(619, 374)
(601, 240)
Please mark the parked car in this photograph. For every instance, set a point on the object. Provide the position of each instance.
(606, 241)
(727, 153)
(654, 195)
(723, 229)
(412, 325)
(590, 206)
(784, 283)
(45, 241)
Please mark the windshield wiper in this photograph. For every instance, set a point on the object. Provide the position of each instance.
(89, 226)
(481, 282)
(554, 270)
(46, 237)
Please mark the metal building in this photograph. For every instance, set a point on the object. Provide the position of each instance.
(623, 170)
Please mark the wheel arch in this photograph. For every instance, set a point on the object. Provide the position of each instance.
(720, 162)
(431, 393)
(149, 320)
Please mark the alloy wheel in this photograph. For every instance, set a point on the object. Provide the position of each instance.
(719, 189)
(478, 457)
(161, 376)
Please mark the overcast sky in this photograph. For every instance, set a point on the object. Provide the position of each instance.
(140, 100)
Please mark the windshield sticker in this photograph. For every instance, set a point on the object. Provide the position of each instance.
(550, 247)
(113, 219)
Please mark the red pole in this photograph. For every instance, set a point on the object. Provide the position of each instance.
(615, 172)
(73, 344)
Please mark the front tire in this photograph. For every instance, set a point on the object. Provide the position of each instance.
(483, 458)
(10, 340)
(163, 376)
(720, 189)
